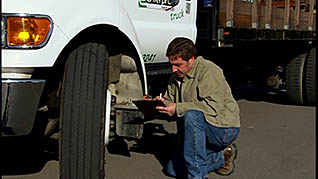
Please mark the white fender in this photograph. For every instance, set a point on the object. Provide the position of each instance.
(68, 22)
(127, 27)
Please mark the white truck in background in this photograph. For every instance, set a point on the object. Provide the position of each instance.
(83, 62)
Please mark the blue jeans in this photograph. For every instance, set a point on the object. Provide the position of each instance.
(202, 149)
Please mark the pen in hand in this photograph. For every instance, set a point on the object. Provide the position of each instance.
(160, 97)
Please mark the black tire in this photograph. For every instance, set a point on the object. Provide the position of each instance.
(294, 79)
(82, 113)
(310, 88)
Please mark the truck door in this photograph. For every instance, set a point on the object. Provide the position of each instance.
(157, 22)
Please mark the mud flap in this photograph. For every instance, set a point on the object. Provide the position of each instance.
(129, 123)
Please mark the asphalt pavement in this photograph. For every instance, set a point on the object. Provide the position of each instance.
(276, 141)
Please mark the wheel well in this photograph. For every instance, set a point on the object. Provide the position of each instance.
(116, 43)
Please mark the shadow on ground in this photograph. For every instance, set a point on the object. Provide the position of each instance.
(155, 140)
(27, 154)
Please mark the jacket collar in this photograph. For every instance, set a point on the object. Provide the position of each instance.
(194, 68)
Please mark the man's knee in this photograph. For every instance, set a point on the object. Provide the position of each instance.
(193, 116)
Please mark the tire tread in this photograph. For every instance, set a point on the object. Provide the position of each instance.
(85, 83)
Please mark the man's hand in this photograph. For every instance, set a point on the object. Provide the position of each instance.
(160, 98)
(146, 97)
(170, 109)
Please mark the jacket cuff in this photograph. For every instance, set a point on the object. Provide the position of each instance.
(180, 109)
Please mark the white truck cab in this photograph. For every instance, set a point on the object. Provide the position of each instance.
(88, 56)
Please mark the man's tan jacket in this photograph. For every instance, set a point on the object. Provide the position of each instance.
(205, 89)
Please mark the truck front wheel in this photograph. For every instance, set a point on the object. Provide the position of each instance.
(83, 103)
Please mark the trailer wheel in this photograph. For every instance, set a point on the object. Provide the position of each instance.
(311, 77)
(82, 113)
(294, 79)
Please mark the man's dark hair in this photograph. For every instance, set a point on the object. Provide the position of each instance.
(181, 47)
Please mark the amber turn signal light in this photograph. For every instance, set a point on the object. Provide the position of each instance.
(27, 31)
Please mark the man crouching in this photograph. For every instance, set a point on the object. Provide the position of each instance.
(208, 121)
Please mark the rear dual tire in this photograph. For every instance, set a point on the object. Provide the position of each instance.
(294, 79)
(310, 78)
(301, 78)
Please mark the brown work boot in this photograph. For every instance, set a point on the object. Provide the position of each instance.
(230, 154)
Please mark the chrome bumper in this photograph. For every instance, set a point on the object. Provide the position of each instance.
(20, 99)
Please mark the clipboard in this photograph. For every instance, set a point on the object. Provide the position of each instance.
(148, 107)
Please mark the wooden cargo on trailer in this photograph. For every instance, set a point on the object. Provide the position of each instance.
(268, 14)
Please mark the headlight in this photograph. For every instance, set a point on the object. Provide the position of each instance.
(25, 31)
